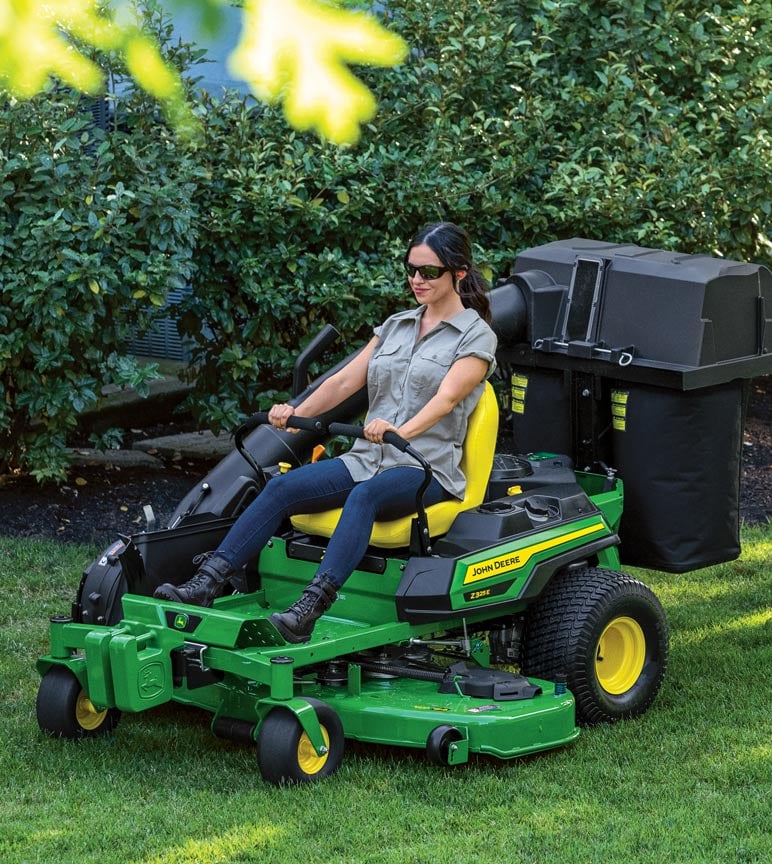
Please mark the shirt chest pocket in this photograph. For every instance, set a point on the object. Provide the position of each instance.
(430, 367)
(386, 368)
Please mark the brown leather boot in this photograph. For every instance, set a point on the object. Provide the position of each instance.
(297, 623)
(207, 583)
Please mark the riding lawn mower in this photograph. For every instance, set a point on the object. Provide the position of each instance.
(495, 625)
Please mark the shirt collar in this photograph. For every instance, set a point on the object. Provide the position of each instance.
(460, 322)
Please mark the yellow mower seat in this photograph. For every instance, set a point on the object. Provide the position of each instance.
(476, 463)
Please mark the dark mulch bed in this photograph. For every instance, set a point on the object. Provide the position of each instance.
(97, 503)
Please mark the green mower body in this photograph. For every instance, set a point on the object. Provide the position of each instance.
(418, 651)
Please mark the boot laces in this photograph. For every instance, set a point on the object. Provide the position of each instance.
(201, 578)
(304, 604)
(197, 580)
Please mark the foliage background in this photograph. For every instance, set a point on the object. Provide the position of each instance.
(526, 121)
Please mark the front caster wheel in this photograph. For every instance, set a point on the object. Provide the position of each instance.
(440, 743)
(285, 753)
(607, 633)
(65, 711)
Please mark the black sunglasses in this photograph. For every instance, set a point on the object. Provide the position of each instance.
(427, 271)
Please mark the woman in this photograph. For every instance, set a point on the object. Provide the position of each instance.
(424, 370)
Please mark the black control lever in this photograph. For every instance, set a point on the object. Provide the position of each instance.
(403, 445)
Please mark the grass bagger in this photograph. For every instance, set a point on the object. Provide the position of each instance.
(495, 625)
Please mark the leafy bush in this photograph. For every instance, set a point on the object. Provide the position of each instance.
(94, 230)
(527, 121)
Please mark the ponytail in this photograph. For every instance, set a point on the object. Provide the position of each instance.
(473, 291)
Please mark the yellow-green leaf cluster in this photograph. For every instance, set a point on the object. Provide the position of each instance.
(33, 47)
(299, 51)
(39, 41)
(295, 51)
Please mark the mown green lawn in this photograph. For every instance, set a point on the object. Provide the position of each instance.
(689, 782)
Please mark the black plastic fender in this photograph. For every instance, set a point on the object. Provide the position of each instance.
(101, 588)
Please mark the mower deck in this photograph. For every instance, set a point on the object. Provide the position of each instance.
(405, 713)
(231, 661)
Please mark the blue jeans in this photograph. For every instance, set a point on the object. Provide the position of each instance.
(323, 486)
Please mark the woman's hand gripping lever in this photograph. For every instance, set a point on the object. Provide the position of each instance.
(261, 418)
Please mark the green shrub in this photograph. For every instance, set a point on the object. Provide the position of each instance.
(526, 121)
(529, 121)
(95, 229)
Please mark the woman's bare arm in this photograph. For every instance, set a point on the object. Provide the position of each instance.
(331, 392)
(462, 377)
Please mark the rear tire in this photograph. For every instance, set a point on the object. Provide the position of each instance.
(284, 750)
(65, 711)
(607, 634)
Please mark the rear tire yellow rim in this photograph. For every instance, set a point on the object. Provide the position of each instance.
(309, 761)
(620, 655)
(87, 715)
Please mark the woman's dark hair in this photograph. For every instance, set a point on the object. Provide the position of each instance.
(451, 244)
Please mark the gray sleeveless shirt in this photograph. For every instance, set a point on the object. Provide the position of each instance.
(404, 373)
